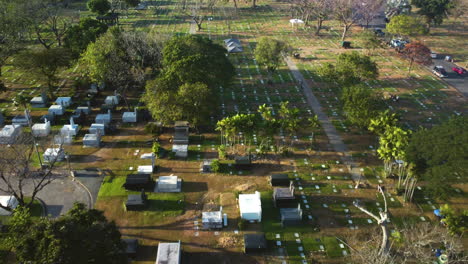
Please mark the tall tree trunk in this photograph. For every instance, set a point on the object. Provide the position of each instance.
(254, 3)
(384, 246)
(319, 26)
(235, 3)
(345, 31)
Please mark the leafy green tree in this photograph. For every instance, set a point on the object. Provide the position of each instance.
(385, 119)
(193, 69)
(268, 53)
(155, 148)
(78, 37)
(132, 3)
(290, 117)
(440, 155)
(81, 236)
(434, 11)
(456, 221)
(215, 166)
(359, 104)
(369, 40)
(44, 63)
(100, 7)
(392, 147)
(350, 69)
(196, 102)
(406, 25)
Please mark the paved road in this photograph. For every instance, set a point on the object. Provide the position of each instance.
(60, 195)
(332, 134)
(453, 79)
(92, 180)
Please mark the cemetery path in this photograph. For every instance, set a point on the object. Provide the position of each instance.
(333, 136)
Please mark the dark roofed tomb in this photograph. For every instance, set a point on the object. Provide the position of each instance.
(131, 247)
(138, 182)
(254, 243)
(136, 201)
(284, 197)
(281, 179)
(291, 216)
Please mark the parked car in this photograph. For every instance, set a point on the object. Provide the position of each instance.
(459, 70)
(379, 32)
(439, 71)
(398, 43)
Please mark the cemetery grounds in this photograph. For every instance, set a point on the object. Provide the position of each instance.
(323, 183)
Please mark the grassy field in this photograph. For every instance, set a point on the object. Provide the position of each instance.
(324, 186)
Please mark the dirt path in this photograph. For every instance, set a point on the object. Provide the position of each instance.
(332, 134)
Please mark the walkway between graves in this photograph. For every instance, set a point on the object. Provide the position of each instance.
(333, 136)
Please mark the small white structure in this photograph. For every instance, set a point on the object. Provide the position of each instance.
(10, 201)
(41, 130)
(145, 169)
(233, 45)
(296, 21)
(54, 154)
(70, 130)
(168, 184)
(64, 101)
(39, 101)
(83, 109)
(104, 118)
(92, 140)
(57, 110)
(97, 128)
(22, 120)
(112, 99)
(180, 151)
(9, 134)
(130, 117)
(250, 206)
(212, 220)
(168, 253)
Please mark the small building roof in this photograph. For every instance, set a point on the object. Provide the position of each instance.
(91, 137)
(283, 193)
(212, 217)
(132, 245)
(8, 200)
(135, 199)
(168, 253)
(226, 41)
(168, 180)
(255, 241)
(37, 100)
(291, 213)
(53, 151)
(137, 179)
(63, 100)
(56, 107)
(10, 130)
(250, 202)
(181, 124)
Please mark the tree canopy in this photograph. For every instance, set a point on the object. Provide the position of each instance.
(81, 236)
(193, 69)
(349, 69)
(406, 25)
(416, 52)
(78, 37)
(440, 155)
(434, 11)
(268, 53)
(100, 7)
(360, 104)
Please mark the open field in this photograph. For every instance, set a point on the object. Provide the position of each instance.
(324, 185)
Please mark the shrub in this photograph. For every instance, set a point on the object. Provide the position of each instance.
(153, 128)
(222, 152)
(215, 166)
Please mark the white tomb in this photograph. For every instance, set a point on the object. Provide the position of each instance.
(92, 140)
(250, 207)
(9, 201)
(168, 184)
(97, 128)
(130, 117)
(104, 118)
(112, 100)
(70, 130)
(180, 150)
(9, 134)
(145, 169)
(41, 130)
(54, 154)
(64, 101)
(56, 110)
(38, 101)
(22, 120)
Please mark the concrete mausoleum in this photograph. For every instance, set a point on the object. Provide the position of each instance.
(41, 129)
(168, 184)
(250, 206)
(54, 154)
(168, 253)
(92, 140)
(10, 133)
